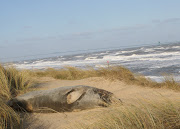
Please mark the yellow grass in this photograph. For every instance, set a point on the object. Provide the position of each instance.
(112, 73)
(144, 115)
(8, 117)
(67, 73)
(12, 81)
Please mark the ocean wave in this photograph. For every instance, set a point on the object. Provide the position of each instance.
(147, 60)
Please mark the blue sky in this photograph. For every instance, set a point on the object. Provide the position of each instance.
(32, 27)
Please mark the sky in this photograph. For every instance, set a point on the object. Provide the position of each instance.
(29, 28)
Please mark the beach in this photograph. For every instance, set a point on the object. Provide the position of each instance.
(129, 94)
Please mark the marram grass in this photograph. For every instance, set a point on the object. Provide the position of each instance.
(144, 115)
(112, 73)
(12, 81)
(8, 117)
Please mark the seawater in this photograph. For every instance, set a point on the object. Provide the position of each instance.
(151, 61)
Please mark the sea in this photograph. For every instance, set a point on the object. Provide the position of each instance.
(154, 62)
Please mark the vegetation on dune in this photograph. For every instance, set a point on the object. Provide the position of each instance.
(12, 81)
(145, 115)
(112, 73)
(8, 117)
(149, 115)
(66, 73)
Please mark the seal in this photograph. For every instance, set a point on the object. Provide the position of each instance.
(62, 99)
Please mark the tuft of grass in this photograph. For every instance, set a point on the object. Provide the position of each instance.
(116, 73)
(12, 82)
(19, 80)
(145, 115)
(4, 85)
(8, 117)
(169, 82)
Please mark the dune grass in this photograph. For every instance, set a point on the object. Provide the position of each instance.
(112, 73)
(12, 81)
(66, 73)
(144, 115)
(8, 117)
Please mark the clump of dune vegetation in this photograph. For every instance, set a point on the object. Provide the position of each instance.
(112, 73)
(8, 117)
(12, 81)
(144, 115)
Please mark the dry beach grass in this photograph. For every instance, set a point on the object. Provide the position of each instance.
(144, 115)
(151, 111)
(12, 81)
(110, 73)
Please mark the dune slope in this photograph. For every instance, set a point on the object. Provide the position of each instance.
(129, 94)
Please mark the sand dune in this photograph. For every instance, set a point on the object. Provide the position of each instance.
(127, 93)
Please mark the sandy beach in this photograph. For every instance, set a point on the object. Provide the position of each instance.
(129, 94)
